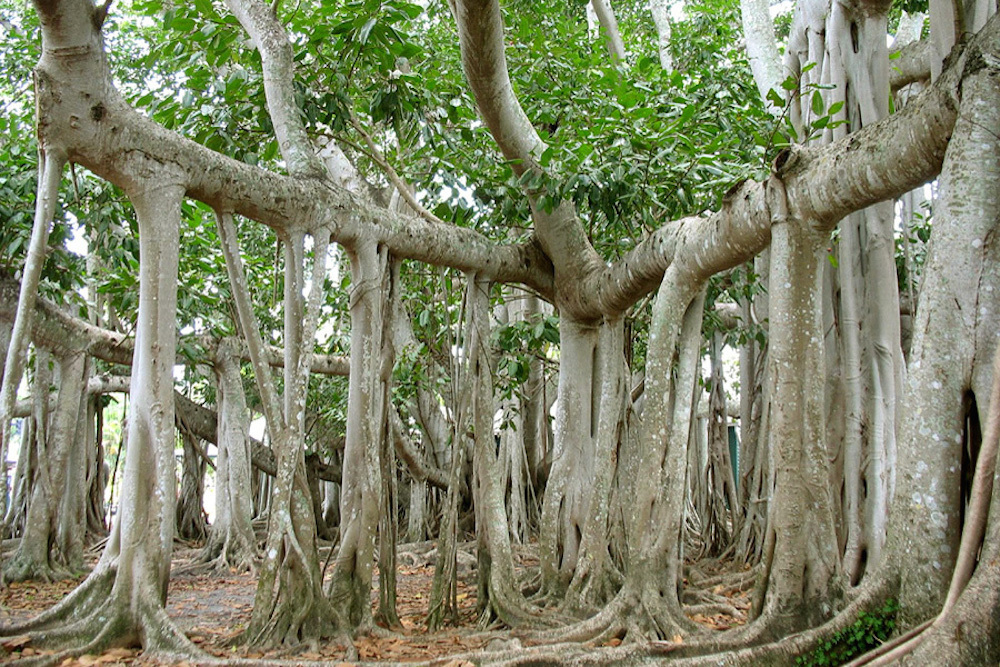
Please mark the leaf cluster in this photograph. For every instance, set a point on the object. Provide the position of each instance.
(869, 631)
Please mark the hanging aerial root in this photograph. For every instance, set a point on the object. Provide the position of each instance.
(50, 166)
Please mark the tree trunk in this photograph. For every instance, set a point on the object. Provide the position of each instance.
(388, 522)
(71, 528)
(122, 601)
(33, 432)
(289, 606)
(38, 556)
(360, 503)
(499, 596)
(595, 577)
(567, 495)
(954, 330)
(97, 472)
(801, 581)
(231, 543)
(51, 160)
(192, 523)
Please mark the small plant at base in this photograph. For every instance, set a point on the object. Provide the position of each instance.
(866, 633)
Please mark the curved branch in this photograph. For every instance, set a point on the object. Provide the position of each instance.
(106, 136)
(261, 23)
(823, 184)
(912, 64)
(56, 330)
(609, 25)
(484, 59)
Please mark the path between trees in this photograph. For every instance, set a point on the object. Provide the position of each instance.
(213, 608)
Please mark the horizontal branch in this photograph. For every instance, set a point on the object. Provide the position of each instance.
(203, 423)
(81, 111)
(912, 64)
(61, 333)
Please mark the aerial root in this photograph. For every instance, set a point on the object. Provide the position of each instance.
(608, 620)
(101, 642)
(91, 620)
(89, 596)
(713, 608)
(23, 569)
(164, 638)
(221, 558)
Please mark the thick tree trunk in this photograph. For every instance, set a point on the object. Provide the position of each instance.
(360, 501)
(567, 495)
(801, 580)
(122, 601)
(231, 542)
(954, 330)
(595, 577)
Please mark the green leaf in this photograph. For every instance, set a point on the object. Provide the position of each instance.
(366, 30)
(775, 98)
(817, 103)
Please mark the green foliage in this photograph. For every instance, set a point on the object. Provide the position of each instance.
(630, 145)
(869, 631)
(820, 119)
(908, 6)
(517, 344)
(914, 244)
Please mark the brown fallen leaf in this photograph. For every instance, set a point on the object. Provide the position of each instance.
(15, 643)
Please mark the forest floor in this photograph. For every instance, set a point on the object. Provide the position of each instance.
(212, 608)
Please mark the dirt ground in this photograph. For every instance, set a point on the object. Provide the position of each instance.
(213, 608)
